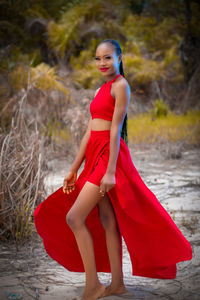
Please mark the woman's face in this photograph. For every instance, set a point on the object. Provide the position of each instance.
(107, 60)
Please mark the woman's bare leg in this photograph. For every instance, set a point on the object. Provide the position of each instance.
(88, 197)
(108, 220)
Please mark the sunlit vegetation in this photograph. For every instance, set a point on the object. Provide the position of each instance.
(74, 25)
(85, 71)
(150, 33)
(159, 109)
(144, 70)
(150, 51)
(42, 76)
(156, 36)
(56, 131)
(142, 128)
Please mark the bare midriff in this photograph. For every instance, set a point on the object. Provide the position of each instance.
(101, 124)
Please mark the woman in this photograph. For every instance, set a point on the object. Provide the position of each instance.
(109, 200)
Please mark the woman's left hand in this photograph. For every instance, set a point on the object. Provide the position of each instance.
(107, 183)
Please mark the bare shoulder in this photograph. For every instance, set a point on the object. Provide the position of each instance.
(121, 87)
(122, 83)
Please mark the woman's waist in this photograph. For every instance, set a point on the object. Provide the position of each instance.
(99, 124)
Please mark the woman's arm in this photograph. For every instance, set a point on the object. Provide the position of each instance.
(70, 178)
(81, 153)
(122, 98)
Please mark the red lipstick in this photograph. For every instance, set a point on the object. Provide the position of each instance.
(103, 69)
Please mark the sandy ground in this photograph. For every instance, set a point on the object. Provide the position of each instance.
(30, 273)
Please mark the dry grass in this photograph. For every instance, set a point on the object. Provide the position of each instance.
(22, 166)
(183, 128)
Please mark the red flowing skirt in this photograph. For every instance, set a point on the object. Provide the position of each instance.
(154, 242)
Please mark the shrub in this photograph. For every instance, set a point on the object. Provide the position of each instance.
(42, 76)
(144, 70)
(160, 109)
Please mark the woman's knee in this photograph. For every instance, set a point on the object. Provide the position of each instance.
(108, 221)
(73, 221)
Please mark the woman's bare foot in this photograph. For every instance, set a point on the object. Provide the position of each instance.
(94, 293)
(114, 290)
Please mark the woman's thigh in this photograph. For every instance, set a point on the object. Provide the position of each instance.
(87, 199)
(106, 212)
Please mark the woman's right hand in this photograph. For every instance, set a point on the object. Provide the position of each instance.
(69, 182)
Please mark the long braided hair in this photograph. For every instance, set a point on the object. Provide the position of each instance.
(118, 50)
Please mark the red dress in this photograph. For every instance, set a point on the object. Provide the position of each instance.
(154, 242)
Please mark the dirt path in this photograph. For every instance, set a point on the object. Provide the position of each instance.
(176, 182)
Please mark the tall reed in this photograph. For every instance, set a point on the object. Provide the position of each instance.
(22, 170)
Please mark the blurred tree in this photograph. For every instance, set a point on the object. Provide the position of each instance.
(190, 45)
(137, 6)
(189, 50)
(35, 31)
(14, 14)
(83, 24)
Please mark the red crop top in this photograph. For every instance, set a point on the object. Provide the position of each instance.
(103, 104)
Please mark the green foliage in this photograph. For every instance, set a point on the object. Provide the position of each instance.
(139, 28)
(155, 36)
(88, 78)
(19, 78)
(131, 47)
(134, 61)
(81, 23)
(17, 57)
(144, 70)
(56, 131)
(83, 60)
(149, 33)
(22, 225)
(171, 65)
(150, 71)
(144, 36)
(42, 76)
(85, 71)
(160, 109)
(195, 28)
(14, 16)
(62, 35)
(136, 6)
(152, 49)
(37, 11)
(171, 56)
(54, 8)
